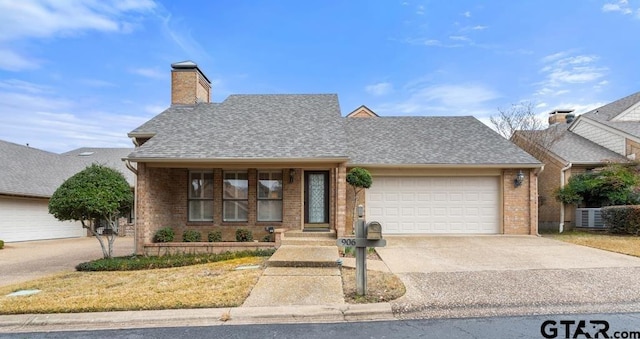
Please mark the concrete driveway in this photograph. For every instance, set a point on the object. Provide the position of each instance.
(23, 261)
(449, 276)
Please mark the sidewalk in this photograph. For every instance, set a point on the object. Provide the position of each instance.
(195, 317)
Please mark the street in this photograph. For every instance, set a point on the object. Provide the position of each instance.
(614, 325)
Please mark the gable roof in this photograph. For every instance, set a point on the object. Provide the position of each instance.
(430, 140)
(362, 112)
(27, 171)
(573, 148)
(247, 127)
(613, 109)
(607, 114)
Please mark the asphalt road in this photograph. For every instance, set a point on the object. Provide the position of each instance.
(614, 325)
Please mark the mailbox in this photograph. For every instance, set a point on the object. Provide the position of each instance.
(374, 231)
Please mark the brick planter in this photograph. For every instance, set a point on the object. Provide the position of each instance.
(159, 249)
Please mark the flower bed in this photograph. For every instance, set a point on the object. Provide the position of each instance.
(203, 247)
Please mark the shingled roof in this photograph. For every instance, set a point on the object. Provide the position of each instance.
(305, 127)
(575, 149)
(605, 113)
(247, 127)
(430, 140)
(27, 171)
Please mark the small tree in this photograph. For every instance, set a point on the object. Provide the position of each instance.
(520, 124)
(97, 192)
(615, 184)
(359, 179)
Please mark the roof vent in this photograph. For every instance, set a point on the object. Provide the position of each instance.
(85, 154)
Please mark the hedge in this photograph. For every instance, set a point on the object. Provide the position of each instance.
(622, 219)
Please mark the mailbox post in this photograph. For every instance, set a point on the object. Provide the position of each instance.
(367, 235)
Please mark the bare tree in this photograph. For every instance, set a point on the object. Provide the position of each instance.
(520, 124)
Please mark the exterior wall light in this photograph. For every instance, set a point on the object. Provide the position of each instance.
(292, 175)
(519, 179)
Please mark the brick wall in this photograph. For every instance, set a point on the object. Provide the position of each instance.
(188, 86)
(519, 203)
(162, 201)
(633, 149)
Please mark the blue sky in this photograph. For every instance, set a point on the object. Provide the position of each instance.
(84, 73)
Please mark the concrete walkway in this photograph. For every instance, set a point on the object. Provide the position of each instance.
(299, 275)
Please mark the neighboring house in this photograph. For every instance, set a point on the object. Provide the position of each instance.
(610, 133)
(258, 161)
(28, 178)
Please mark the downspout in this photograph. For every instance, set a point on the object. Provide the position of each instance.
(537, 172)
(562, 171)
(127, 163)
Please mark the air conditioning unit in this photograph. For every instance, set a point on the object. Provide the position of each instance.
(589, 218)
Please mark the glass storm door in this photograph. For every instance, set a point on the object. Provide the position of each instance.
(316, 197)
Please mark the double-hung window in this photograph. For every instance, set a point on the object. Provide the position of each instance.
(200, 196)
(235, 196)
(270, 196)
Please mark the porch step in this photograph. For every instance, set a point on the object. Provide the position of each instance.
(310, 234)
(304, 256)
(300, 241)
(297, 237)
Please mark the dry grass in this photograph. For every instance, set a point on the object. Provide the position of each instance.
(381, 287)
(207, 285)
(615, 243)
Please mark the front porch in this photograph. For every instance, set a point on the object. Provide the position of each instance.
(221, 199)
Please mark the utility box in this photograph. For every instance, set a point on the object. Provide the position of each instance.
(374, 231)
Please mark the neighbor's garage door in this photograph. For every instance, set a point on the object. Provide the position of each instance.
(423, 205)
(24, 219)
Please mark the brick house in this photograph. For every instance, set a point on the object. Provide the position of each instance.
(258, 161)
(610, 133)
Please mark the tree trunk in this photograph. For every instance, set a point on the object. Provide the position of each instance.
(105, 253)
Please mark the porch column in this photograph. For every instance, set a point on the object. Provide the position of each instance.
(341, 197)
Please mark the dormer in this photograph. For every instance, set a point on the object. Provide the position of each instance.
(362, 112)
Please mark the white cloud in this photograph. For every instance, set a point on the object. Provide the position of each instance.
(420, 10)
(379, 89)
(621, 6)
(459, 38)
(35, 114)
(13, 61)
(467, 14)
(479, 27)
(564, 71)
(149, 73)
(454, 99)
(40, 18)
(36, 19)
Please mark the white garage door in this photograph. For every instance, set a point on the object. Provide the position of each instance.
(423, 205)
(23, 219)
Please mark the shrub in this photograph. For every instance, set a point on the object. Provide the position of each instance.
(1, 244)
(214, 236)
(132, 263)
(243, 235)
(165, 234)
(191, 236)
(622, 219)
(268, 238)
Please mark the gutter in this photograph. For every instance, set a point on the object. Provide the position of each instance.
(537, 172)
(562, 176)
(135, 203)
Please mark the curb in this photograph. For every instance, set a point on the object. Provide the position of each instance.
(195, 317)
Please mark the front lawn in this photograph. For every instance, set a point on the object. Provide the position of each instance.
(625, 244)
(216, 284)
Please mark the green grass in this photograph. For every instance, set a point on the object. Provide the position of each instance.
(132, 263)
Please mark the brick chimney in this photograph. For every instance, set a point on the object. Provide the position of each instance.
(560, 116)
(188, 84)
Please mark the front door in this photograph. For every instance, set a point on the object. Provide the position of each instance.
(316, 200)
